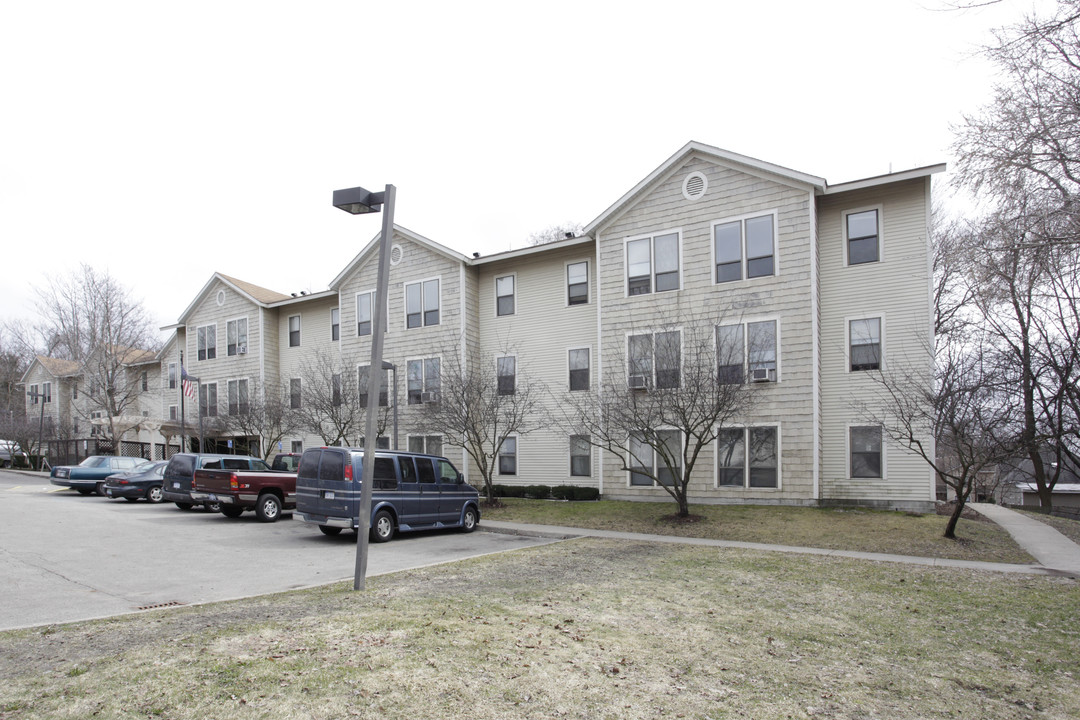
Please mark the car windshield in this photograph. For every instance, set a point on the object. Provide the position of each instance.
(94, 461)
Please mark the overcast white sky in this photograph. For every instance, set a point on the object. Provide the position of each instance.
(165, 141)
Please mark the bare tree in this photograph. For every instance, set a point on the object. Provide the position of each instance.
(331, 404)
(481, 404)
(553, 233)
(672, 397)
(264, 413)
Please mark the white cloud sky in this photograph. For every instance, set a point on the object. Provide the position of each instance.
(165, 141)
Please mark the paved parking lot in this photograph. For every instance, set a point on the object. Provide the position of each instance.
(67, 557)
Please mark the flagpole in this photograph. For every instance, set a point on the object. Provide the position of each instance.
(183, 410)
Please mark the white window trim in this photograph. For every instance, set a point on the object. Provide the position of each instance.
(847, 453)
(405, 302)
(517, 455)
(652, 261)
(654, 333)
(746, 342)
(655, 468)
(246, 342)
(389, 386)
(588, 282)
(356, 313)
(495, 294)
(217, 398)
(517, 369)
(570, 459)
(288, 329)
(591, 355)
(847, 342)
(741, 219)
(196, 335)
(174, 413)
(332, 323)
(746, 458)
(300, 404)
(172, 379)
(227, 403)
(409, 436)
(880, 232)
(420, 359)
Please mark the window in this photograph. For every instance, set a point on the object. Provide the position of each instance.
(295, 398)
(75, 426)
(46, 391)
(365, 304)
(504, 295)
(507, 372)
(34, 395)
(652, 262)
(335, 324)
(759, 353)
(422, 304)
(646, 463)
(752, 238)
(761, 349)
(294, 331)
(748, 457)
(730, 355)
(423, 380)
(660, 353)
(208, 400)
(296, 446)
(145, 381)
(580, 456)
(238, 397)
(579, 369)
(577, 283)
(508, 457)
(75, 386)
(172, 379)
(206, 337)
(173, 412)
(335, 389)
(863, 237)
(864, 350)
(362, 377)
(428, 444)
(865, 448)
(236, 337)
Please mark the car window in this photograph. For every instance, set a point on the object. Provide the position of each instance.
(258, 464)
(94, 461)
(408, 470)
(385, 475)
(447, 472)
(332, 467)
(210, 463)
(425, 470)
(309, 465)
(235, 463)
(182, 465)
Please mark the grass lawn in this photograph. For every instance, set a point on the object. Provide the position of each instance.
(586, 628)
(832, 528)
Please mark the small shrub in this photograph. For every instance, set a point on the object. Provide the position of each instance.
(563, 492)
(537, 492)
(585, 493)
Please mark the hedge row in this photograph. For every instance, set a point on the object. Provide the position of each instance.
(543, 492)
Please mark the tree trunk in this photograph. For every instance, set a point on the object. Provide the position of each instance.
(950, 528)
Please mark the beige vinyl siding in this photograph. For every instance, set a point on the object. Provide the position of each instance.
(540, 333)
(896, 289)
(700, 303)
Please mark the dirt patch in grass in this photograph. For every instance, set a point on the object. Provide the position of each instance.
(586, 629)
(831, 528)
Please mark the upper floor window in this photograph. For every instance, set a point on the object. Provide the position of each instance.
(507, 374)
(75, 386)
(238, 397)
(426, 444)
(295, 396)
(46, 391)
(504, 295)
(206, 338)
(294, 331)
(365, 304)
(862, 236)
(335, 389)
(172, 378)
(654, 360)
(173, 412)
(236, 332)
(422, 303)
(335, 324)
(362, 377)
(144, 381)
(296, 446)
(744, 246)
(864, 351)
(652, 264)
(208, 399)
(579, 369)
(864, 445)
(577, 283)
(423, 381)
(35, 396)
(752, 345)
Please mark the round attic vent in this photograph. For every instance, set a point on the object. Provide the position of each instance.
(396, 253)
(220, 297)
(694, 186)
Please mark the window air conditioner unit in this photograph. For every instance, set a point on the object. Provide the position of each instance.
(241, 349)
(638, 382)
(762, 375)
(429, 397)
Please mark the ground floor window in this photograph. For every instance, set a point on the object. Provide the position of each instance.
(866, 453)
(508, 457)
(648, 462)
(429, 444)
(580, 456)
(748, 457)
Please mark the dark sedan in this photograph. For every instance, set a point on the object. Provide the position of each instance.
(90, 474)
(142, 482)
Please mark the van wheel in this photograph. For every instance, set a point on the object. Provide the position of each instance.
(184, 506)
(468, 520)
(328, 530)
(383, 527)
(268, 509)
(231, 512)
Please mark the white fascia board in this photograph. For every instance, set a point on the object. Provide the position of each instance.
(885, 179)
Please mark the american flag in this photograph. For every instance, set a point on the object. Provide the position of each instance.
(186, 384)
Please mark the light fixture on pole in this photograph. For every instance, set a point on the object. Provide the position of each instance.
(359, 201)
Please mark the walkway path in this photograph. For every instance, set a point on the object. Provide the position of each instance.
(1053, 550)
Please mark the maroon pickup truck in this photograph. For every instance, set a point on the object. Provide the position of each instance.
(267, 493)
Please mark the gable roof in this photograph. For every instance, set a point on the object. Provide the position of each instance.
(259, 295)
(56, 367)
(718, 155)
(405, 233)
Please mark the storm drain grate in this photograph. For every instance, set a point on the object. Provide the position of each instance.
(171, 603)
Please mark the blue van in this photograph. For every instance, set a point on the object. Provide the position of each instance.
(411, 491)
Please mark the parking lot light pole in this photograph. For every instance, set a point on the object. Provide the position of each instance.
(358, 201)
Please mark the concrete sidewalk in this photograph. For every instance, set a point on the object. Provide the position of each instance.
(1063, 561)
